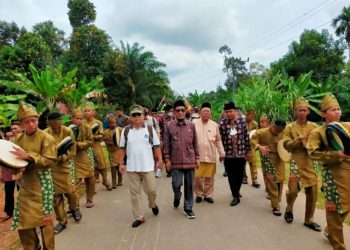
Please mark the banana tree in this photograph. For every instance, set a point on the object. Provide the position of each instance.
(48, 86)
(75, 95)
(303, 87)
(275, 97)
(9, 106)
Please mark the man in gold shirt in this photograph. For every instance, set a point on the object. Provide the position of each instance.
(97, 134)
(295, 136)
(112, 148)
(61, 174)
(266, 140)
(34, 208)
(83, 160)
(336, 171)
(252, 125)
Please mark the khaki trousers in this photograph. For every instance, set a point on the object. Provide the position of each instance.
(114, 172)
(89, 187)
(61, 215)
(310, 202)
(103, 172)
(335, 228)
(204, 186)
(253, 169)
(137, 180)
(30, 239)
(275, 191)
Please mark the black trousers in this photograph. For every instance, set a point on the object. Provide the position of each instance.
(235, 170)
(9, 197)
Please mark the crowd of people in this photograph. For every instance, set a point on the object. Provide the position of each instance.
(189, 144)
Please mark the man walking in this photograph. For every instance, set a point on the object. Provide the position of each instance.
(163, 120)
(97, 134)
(235, 138)
(209, 141)
(295, 137)
(137, 141)
(83, 160)
(266, 140)
(62, 179)
(252, 125)
(34, 207)
(336, 171)
(181, 155)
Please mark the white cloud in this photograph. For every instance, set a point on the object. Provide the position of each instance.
(186, 35)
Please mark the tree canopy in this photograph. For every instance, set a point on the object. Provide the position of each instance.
(81, 13)
(315, 51)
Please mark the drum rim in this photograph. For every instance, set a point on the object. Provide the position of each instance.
(280, 142)
(12, 165)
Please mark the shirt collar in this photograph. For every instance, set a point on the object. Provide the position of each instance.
(181, 123)
(142, 126)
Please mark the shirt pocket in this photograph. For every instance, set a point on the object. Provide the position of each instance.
(211, 135)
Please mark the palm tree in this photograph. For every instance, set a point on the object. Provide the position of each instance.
(146, 79)
(342, 25)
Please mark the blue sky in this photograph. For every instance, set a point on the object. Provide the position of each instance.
(186, 35)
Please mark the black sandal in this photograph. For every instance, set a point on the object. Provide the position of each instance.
(59, 228)
(77, 215)
(288, 217)
(314, 226)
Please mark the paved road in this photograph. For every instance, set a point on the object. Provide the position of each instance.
(250, 225)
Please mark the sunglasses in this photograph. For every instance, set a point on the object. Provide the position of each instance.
(136, 114)
(180, 110)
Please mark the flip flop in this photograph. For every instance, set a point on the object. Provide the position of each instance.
(276, 212)
(314, 226)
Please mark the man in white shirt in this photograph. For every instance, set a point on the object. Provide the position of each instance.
(137, 141)
(209, 142)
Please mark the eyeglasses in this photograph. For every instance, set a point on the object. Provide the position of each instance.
(180, 110)
(136, 114)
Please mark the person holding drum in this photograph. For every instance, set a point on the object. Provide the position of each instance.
(97, 134)
(294, 138)
(9, 176)
(265, 140)
(62, 179)
(83, 160)
(329, 143)
(112, 139)
(34, 208)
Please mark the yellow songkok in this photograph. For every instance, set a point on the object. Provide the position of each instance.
(251, 112)
(300, 103)
(111, 118)
(264, 118)
(89, 105)
(329, 102)
(77, 112)
(25, 111)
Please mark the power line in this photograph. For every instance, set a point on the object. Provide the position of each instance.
(272, 47)
(282, 30)
(291, 24)
(196, 83)
(290, 39)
